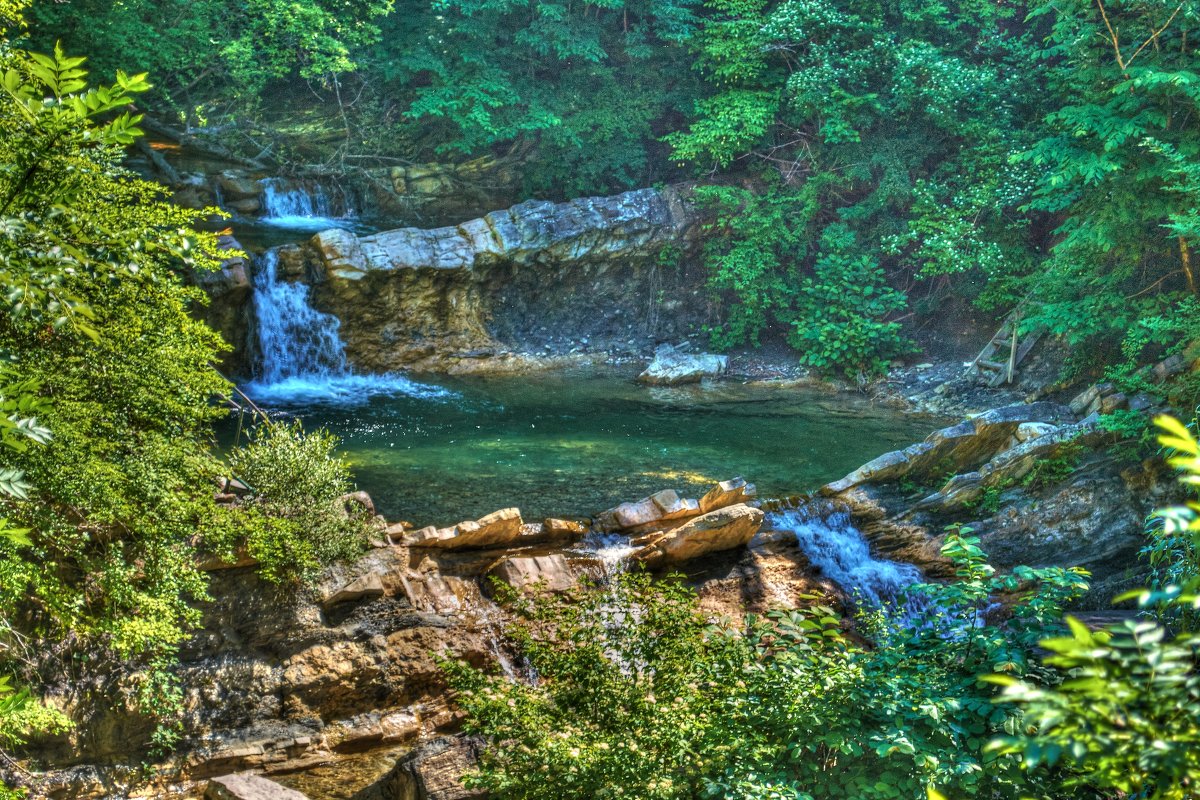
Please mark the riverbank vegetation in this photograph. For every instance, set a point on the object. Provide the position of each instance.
(1028, 154)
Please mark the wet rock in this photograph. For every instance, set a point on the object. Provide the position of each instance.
(658, 508)
(247, 786)
(549, 573)
(724, 529)
(235, 186)
(672, 367)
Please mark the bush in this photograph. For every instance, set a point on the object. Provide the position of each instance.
(297, 482)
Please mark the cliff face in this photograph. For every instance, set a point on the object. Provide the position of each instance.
(591, 273)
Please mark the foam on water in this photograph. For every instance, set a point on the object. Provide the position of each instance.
(301, 207)
(832, 543)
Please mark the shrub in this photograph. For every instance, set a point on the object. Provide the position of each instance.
(297, 482)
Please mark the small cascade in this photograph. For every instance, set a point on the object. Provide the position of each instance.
(610, 551)
(832, 543)
(300, 356)
(306, 206)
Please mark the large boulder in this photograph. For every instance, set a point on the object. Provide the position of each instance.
(723, 529)
(549, 573)
(248, 786)
(672, 367)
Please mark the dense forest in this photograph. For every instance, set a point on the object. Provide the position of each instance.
(856, 163)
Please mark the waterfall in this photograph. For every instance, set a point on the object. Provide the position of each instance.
(303, 206)
(300, 355)
(838, 549)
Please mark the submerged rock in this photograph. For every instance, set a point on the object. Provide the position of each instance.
(672, 367)
(248, 786)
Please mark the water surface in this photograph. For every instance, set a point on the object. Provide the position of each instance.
(578, 442)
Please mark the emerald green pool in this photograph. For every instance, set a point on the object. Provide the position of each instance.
(575, 443)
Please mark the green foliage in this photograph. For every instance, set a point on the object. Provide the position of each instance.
(199, 50)
(839, 321)
(1054, 470)
(297, 481)
(636, 695)
(1126, 716)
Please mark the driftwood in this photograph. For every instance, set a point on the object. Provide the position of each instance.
(208, 148)
(160, 164)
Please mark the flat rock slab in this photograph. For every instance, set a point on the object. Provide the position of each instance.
(248, 786)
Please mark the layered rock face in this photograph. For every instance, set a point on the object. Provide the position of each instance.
(979, 473)
(446, 298)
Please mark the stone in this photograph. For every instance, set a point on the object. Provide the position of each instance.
(247, 786)
(434, 593)
(364, 586)
(672, 367)
(498, 529)
(727, 493)
(1169, 367)
(550, 573)
(723, 529)
(1082, 401)
(558, 529)
(1113, 402)
(1032, 430)
(358, 500)
(435, 771)
(664, 506)
(235, 186)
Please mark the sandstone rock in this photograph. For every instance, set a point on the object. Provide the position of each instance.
(1032, 430)
(369, 585)
(1169, 366)
(434, 593)
(727, 493)
(724, 529)
(1082, 401)
(672, 367)
(660, 507)
(1113, 402)
(558, 529)
(498, 529)
(523, 572)
(247, 786)
(959, 448)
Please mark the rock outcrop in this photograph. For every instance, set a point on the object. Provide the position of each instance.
(977, 473)
(673, 367)
(435, 771)
(474, 296)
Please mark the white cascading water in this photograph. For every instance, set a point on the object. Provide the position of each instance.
(301, 358)
(833, 545)
(288, 205)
